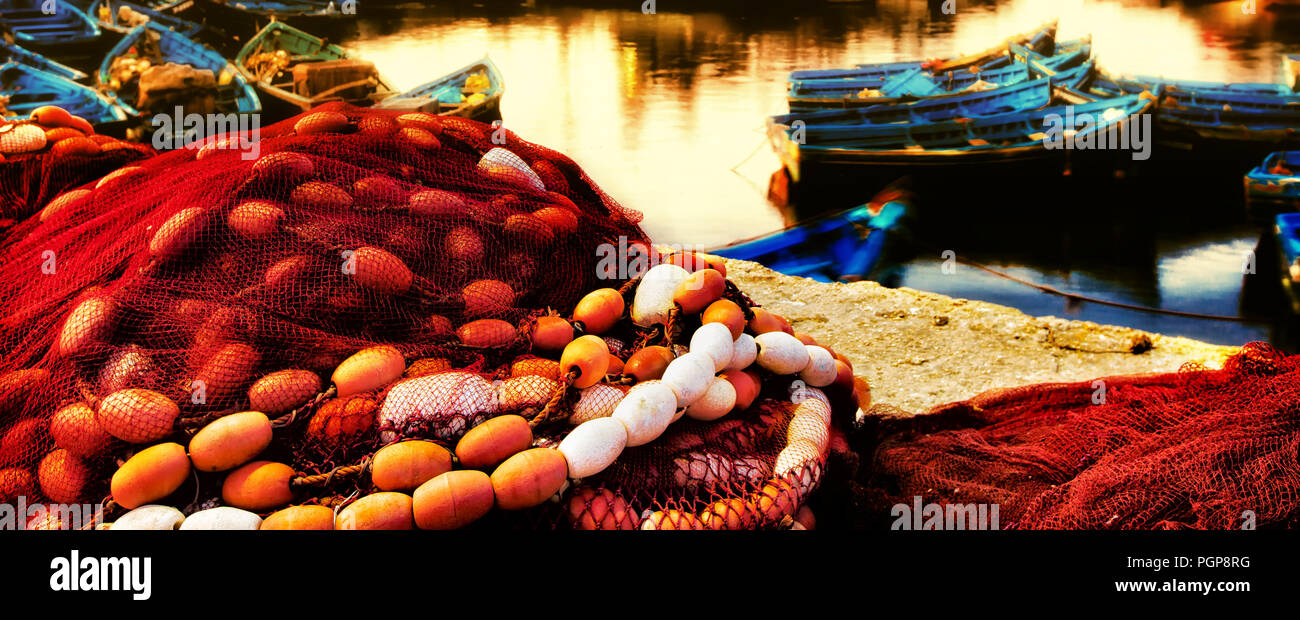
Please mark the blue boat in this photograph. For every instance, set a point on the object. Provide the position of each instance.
(831, 126)
(811, 95)
(473, 91)
(1242, 121)
(67, 31)
(844, 246)
(120, 17)
(25, 88)
(980, 140)
(234, 94)
(1286, 228)
(244, 18)
(1274, 185)
(1197, 86)
(1041, 38)
(14, 53)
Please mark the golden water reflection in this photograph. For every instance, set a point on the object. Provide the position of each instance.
(660, 108)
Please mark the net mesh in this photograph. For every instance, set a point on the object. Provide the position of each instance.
(1198, 449)
(208, 281)
(31, 180)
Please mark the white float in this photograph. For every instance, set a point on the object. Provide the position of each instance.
(719, 399)
(781, 353)
(222, 518)
(653, 301)
(593, 446)
(646, 411)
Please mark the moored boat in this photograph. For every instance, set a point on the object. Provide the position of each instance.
(1286, 229)
(24, 88)
(805, 96)
(245, 18)
(18, 54)
(295, 71)
(120, 17)
(1041, 38)
(1053, 138)
(154, 69)
(473, 91)
(1023, 95)
(849, 245)
(1274, 185)
(66, 30)
(1241, 122)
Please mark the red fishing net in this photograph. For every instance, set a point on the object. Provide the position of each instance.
(30, 180)
(1202, 449)
(239, 276)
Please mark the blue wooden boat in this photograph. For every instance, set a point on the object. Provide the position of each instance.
(245, 18)
(844, 246)
(25, 88)
(829, 126)
(120, 17)
(1274, 185)
(1286, 228)
(1195, 86)
(67, 31)
(991, 139)
(473, 91)
(14, 53)
(1041, 38)
(811, 95)
(234, 94)
(1241, 121)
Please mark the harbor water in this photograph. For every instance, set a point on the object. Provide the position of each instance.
(666, 111)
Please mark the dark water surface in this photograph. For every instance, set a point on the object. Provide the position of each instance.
(666, 112)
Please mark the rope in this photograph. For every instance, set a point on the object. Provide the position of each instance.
(552, 408)
(289, 418)
(628, 286)
(1094, 300)
(761, 144)
(672, 327)
(327, 478)
(1107, 302)
(737, 296)
(192, 424)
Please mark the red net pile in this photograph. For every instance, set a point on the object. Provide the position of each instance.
(206, 282)
(1200, 449)
(31, 180)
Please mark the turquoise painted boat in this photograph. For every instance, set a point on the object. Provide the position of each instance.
(120, 17)
(837, 125)
(812, 95)
(15, 53)
(994, 139)
(473, 91)
(25, 88)
(1041, 38)
(1286, 228)
(1247, 118)
(844, 246)
(1274, 185)
(162, 45)
(66, 31)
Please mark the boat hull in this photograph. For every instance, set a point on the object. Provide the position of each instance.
(429, 97)
(244, 23)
